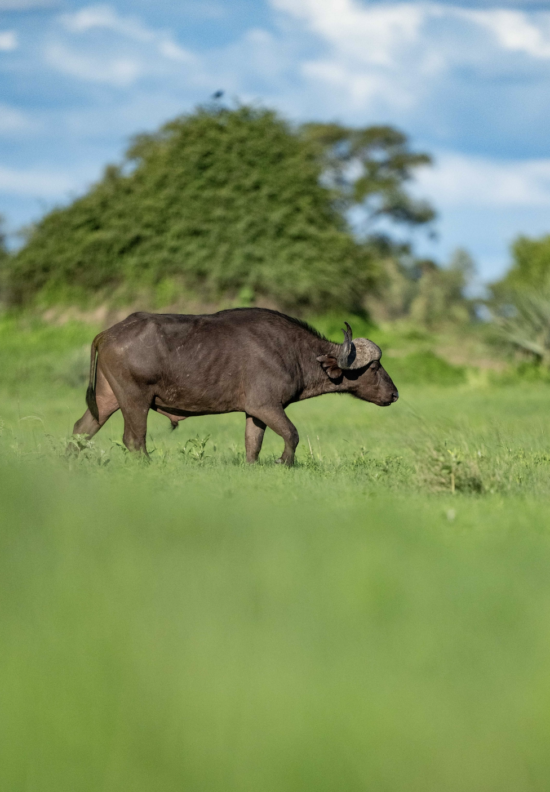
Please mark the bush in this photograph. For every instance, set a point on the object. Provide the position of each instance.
(428, 294)
(216, 203)
(523, 321)
(530, 266)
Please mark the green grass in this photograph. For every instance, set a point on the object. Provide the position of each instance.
(376, 618)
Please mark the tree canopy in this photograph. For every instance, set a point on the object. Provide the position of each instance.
(369, 168)
(530, 268)
(521, 300)
(227, 201)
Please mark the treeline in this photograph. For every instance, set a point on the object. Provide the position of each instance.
(232, 204)
(520, 302)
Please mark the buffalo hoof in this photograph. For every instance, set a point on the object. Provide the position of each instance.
(287, 462)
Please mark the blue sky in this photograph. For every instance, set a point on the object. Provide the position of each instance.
(468, 81)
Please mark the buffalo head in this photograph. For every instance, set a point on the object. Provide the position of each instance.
(357, 365)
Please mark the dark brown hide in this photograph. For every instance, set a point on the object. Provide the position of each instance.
(249, 360)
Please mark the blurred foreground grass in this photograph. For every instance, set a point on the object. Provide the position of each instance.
(375, 618)
(188, 638)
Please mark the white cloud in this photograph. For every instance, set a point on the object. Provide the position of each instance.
(104, 16)
(35, 183)
(120, 61)
(173, 51)
(372, 34)
(385, 56)
(117, 71)
(515, 30)
(376, 32)
(459, 180)
(366, 47)
(8, 40)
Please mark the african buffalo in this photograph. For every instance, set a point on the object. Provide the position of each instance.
(249, 360)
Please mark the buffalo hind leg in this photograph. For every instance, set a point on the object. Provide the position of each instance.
(107, 404)
(88, 426)
(253, 437)
(277, 420)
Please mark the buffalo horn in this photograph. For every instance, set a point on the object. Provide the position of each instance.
(346, 348)
(358, 352)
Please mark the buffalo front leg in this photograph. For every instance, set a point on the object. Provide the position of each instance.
(135, 429)
(253, 437)
(134, 406)
(277, 420)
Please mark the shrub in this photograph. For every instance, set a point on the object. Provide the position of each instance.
(217, 202)
(530, 265)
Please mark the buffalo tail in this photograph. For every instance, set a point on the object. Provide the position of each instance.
(90, 393)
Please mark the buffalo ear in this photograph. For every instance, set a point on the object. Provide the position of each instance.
(330, 365)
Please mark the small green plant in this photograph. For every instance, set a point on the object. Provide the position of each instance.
(524, 322)
(450, 465)
(79, 448)
(390, 468)
(453, 470)
(195, 448)
(78, 443)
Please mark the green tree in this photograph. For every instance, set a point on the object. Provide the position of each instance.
(439, 294)
(521, 300)
(225, 203)
(368, 169)
(524, 322)
(530, 268)
(424, 292)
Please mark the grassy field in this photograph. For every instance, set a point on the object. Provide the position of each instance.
(377, 618)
